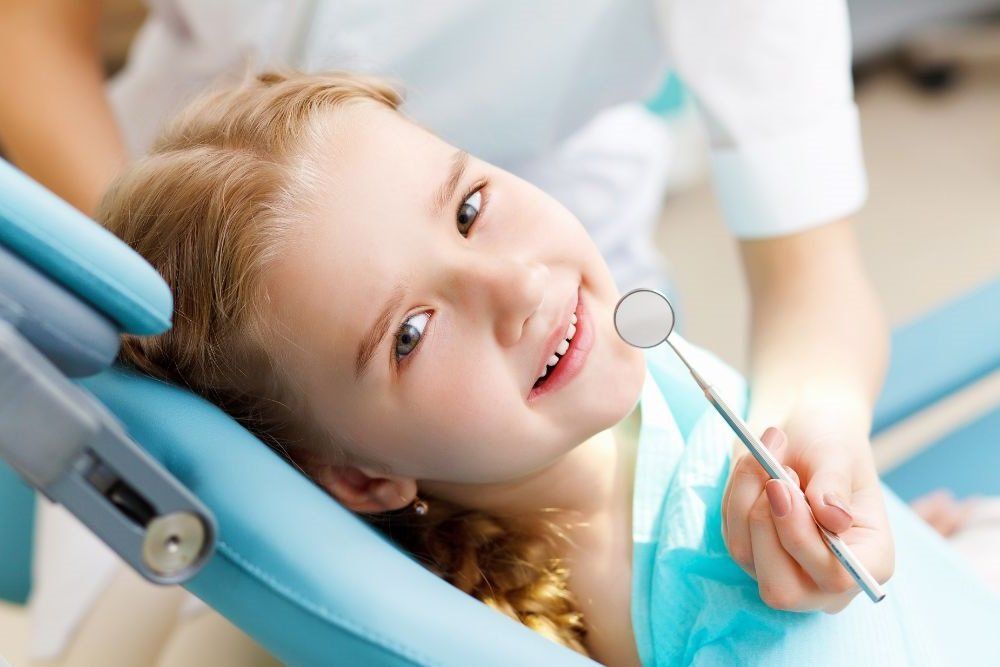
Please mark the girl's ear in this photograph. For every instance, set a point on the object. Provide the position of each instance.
(364, 490)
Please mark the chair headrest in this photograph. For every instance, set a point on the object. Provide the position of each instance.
(81, 256)
(70, 333)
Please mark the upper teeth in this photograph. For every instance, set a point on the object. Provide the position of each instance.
(562, 347)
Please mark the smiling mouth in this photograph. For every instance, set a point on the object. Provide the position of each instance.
(570, 353)
(561, 349)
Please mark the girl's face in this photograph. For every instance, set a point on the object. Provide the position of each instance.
(425, 296)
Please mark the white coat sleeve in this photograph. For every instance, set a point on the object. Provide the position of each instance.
(773, 80)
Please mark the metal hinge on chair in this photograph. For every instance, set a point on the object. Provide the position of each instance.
(67, 445)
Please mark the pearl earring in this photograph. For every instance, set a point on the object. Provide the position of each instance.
(419, 506)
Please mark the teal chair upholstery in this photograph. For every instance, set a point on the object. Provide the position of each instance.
(954, 346)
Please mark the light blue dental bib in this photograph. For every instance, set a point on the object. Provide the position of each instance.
(691, 603)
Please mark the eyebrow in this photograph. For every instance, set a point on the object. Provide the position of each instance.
(447, 190)
(370, 341)
(373, 337)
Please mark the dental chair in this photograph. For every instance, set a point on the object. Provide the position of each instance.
(150, 467)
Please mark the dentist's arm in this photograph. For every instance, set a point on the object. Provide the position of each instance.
(818, 332)
(55, 121)
(819, 352)
(774, 82)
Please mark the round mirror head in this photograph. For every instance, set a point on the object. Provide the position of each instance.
(644, 318)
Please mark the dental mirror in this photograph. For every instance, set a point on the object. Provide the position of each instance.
(644, 318)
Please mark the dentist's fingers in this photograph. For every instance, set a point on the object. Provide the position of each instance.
(781, 582)
(746, 485)
(802, 540)
(829, 493)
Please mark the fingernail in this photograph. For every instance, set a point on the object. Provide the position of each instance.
(778, 496)
(832, 500)
(771, 438)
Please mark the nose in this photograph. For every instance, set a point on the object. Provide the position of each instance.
(507, 291)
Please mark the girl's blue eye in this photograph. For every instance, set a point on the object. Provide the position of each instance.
(469, 211)
(409, 334)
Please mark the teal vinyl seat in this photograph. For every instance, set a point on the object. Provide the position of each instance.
(292, 568)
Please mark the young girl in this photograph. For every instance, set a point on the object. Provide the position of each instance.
(430, 339)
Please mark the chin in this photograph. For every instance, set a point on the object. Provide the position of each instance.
(612, 397)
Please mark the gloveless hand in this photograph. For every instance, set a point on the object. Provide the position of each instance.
(767, 527)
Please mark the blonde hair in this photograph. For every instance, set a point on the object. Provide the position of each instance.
(209, 207)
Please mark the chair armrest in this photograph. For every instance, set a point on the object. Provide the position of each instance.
(942, 351)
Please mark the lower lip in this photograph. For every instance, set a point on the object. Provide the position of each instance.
(572, 362)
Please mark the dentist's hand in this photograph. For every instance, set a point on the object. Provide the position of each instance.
(767, 527)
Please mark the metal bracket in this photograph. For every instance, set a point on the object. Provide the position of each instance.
(67, 445)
